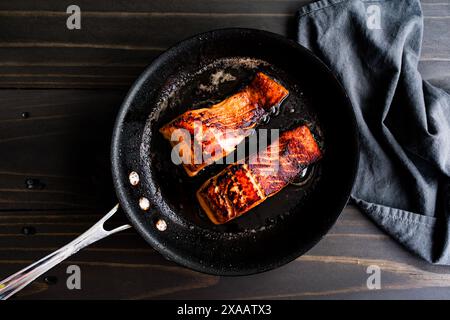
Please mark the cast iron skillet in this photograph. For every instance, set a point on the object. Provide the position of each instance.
(199, 72)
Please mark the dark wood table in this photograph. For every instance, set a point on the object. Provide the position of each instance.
(60, 91)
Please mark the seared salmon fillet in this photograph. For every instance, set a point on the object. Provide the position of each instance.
(242, 186)
(217, 130)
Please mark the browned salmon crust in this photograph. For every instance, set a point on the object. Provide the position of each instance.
(237, 114)
(242, 186)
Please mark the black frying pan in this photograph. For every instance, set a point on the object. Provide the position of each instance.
(199, 72)
(196, 73)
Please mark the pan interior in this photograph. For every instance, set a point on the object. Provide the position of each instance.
(210, 84)
(199, 73)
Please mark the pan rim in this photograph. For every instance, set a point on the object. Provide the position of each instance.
(120, 185)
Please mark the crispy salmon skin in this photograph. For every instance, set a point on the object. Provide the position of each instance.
(217, 130)
(242, 186)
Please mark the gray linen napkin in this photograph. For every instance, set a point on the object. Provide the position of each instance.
(403, 181)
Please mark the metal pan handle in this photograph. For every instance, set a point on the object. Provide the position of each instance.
(19, 280)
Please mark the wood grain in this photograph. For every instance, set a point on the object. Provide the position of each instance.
(128, 268)
(62, 144)
(38, 51)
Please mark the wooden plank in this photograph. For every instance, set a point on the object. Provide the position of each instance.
(38, 51)
(63, 145)
(436, 41)
(124, 266)
(177, 6)
(103, 54)
(435, 65)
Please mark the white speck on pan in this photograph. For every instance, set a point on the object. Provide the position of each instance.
(221, 76)
(216, 79)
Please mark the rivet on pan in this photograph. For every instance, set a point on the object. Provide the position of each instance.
(144, 203)
(134, 178)
(161, 225)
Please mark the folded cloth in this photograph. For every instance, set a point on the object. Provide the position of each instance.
(403, 180)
